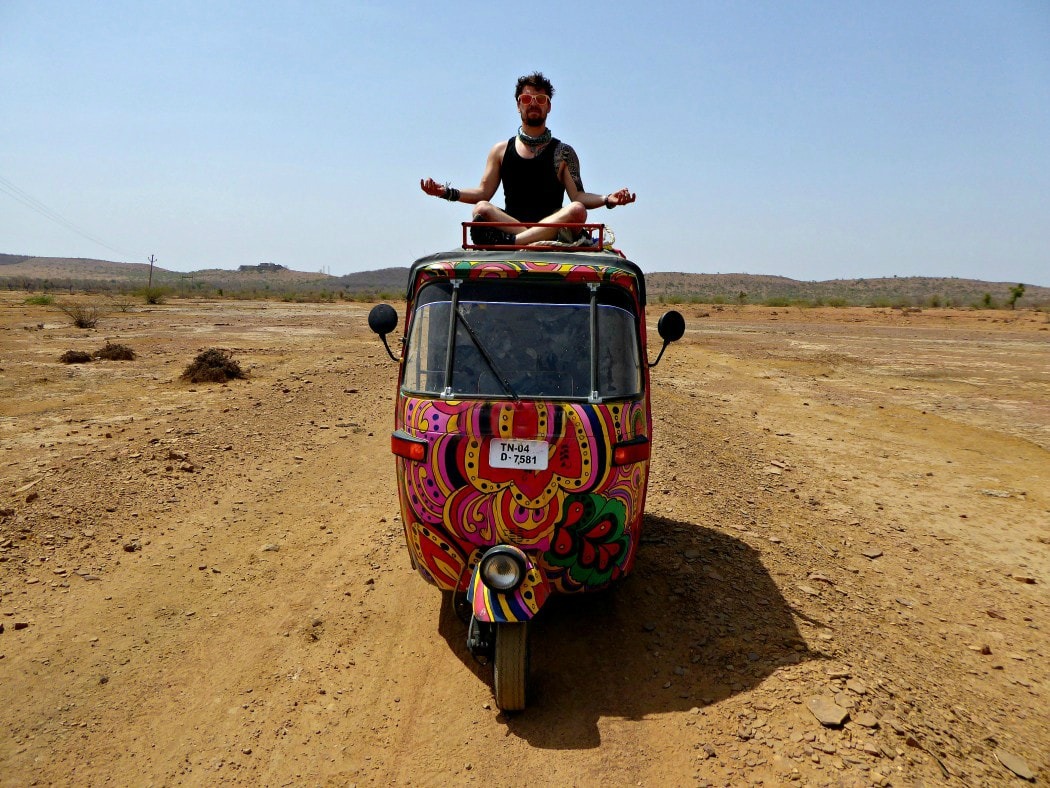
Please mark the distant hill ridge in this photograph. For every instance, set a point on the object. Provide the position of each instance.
(26, 272)
(902, 290)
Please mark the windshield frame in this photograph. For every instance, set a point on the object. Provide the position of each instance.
(610, 309)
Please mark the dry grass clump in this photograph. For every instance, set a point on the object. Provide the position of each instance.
(122, 302)
(212, 366)
(75, 357)
(115, 352)
(82, 315)
(154, 295)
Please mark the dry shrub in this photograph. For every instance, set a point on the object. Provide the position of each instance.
(122, 302)
(115, 352)
(75, 357)
(82, 315)
(212, 366)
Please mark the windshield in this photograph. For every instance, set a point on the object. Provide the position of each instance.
(532, 348)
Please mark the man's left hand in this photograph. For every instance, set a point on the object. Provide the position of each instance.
(622, 197)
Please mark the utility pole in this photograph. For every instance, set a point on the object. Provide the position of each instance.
(151, 261)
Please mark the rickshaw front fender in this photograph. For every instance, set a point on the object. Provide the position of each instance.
(509, 607)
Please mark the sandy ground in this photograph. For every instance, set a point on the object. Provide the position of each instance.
(208, 583)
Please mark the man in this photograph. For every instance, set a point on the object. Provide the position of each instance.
(536, 170)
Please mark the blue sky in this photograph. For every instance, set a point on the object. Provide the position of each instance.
(814, 140)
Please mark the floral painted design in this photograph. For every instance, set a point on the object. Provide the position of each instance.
(591, 540)
(510, 269)
(574, 515)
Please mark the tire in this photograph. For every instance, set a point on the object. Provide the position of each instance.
(511, 672)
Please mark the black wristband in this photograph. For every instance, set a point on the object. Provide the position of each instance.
(451, 194)
(606, 201)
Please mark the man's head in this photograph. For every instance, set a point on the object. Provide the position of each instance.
(533, 94)
(535, 80)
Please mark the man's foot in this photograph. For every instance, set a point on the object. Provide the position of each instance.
(491, 236)
(570, 237)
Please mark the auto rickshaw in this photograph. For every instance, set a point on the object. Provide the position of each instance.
(522, 430)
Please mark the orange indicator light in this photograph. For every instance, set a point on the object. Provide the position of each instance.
(404, 445)
(632, 451)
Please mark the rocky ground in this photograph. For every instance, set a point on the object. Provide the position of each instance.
(843, 581)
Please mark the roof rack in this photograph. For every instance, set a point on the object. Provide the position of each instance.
(578, 227)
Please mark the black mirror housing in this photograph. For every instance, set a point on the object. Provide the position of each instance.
(671, 326)
(382, 319)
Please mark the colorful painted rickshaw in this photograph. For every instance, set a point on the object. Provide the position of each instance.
(522, 432)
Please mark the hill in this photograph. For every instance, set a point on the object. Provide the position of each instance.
(885, 291)
(25, 272)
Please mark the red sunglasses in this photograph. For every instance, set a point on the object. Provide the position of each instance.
(539, 98)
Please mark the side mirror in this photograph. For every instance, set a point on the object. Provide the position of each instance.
(382, 319)
(671, 328)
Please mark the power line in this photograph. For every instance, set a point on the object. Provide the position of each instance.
(34, 204)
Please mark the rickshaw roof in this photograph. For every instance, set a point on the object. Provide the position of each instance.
(606, 261)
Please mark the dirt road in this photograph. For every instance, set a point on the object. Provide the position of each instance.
(208, 583)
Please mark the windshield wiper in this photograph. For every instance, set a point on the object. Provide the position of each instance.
(485, 355)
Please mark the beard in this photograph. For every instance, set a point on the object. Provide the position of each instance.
(533, 119)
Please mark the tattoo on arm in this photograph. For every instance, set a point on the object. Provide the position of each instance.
(565, 153)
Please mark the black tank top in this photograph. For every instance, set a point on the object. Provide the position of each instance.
(531, 186)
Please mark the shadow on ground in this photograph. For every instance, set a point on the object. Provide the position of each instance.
(699, 620)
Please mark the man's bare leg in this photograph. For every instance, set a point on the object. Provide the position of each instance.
(574, 213)
(485, 211)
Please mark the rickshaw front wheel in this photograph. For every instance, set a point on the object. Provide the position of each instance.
(511, 666)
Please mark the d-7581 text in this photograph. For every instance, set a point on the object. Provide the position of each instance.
(525, 454)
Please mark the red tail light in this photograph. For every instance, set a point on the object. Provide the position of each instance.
(636, 450)
(404, 445)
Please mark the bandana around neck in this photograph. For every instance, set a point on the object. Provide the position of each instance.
(534, 142)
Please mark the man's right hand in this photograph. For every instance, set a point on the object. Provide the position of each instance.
(432, 187)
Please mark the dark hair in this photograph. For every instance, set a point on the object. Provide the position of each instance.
(534, 80)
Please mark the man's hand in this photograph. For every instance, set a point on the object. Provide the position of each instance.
(432, 187)
(621, 197)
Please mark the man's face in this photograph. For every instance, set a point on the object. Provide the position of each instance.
(535, 108)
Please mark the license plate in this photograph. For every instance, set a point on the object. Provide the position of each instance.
(520, 454)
